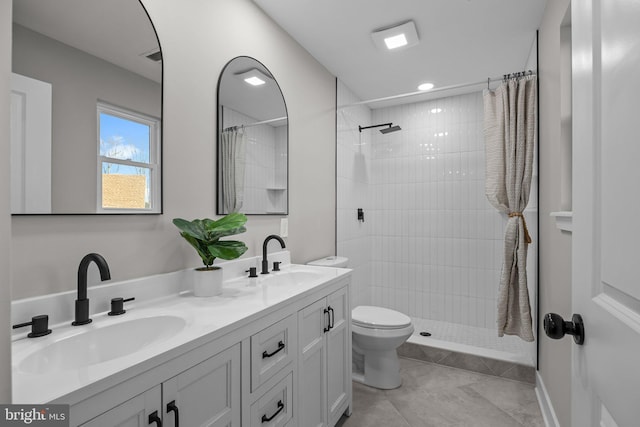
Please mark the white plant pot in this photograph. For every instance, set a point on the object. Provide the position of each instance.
(207, 283)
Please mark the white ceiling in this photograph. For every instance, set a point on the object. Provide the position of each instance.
(461, 41)
(118, 31)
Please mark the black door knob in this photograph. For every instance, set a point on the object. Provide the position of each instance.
(556, 327)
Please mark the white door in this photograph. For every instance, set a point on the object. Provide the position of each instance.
(606, 205)
(30, 145)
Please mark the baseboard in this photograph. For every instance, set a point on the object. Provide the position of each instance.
(546, 407)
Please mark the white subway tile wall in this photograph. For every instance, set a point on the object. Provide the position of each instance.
(265, 178)
(431, 245)
(437, 241)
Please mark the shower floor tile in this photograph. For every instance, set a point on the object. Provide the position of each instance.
(472, 340)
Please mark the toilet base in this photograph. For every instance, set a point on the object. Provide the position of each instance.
(381, 370)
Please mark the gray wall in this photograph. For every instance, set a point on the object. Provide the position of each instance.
(5, 219)
(555, 246)
(198, 38)
(78, 80)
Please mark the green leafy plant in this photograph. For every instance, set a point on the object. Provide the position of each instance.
(205, 234)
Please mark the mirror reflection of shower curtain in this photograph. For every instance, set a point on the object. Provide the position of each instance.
(233, 142)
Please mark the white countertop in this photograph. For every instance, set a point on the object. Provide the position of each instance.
(243, 300)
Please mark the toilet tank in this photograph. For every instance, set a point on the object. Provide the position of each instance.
(331, 261)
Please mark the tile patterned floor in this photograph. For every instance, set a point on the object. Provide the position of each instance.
(440, 396)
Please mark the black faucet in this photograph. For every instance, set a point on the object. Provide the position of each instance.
(265, 263)
(82, 303)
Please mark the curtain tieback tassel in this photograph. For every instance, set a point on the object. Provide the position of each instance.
(527, 237)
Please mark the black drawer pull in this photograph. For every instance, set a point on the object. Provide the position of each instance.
(328, 321)
(154, 418)
(266, 419)
(332, 317)
(280, 348)
(171, 407)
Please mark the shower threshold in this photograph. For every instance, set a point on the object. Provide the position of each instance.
(471, 348)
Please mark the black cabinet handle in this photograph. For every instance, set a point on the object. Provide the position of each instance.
(171, 407)
(332, 317)
(327, 321)
(266, 419)
(280, 348)
(154, 418)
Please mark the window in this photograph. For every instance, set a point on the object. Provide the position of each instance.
(128, 161)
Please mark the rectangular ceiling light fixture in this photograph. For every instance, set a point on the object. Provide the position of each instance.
(396, 37)
(254, 77)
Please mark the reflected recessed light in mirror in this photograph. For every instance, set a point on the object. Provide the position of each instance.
(254, 81)
(426, 86)
(254, 77)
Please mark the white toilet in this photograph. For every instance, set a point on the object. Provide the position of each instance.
(376, 334)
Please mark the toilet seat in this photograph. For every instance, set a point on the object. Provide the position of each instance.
(370, 317)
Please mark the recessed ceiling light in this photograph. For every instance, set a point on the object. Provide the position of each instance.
(254, 77)
(396, 37)
(425, 86)
(395, 42)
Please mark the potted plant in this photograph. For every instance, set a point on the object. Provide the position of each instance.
(204, 235)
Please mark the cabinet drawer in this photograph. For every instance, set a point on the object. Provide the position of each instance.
(275, 407)
(271, 350)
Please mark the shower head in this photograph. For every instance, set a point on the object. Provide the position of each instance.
(389, 128)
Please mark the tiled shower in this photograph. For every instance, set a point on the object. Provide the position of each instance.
(430, 245)
(266, 158)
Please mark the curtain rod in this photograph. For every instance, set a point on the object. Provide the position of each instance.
(440, 89)
(264, 122)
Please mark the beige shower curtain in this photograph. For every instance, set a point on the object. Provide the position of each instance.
(232, 151)
(510, 129)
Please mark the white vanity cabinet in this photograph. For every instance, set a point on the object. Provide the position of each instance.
(285, 365)
(207, 394)
(324, 360)
(132, 413)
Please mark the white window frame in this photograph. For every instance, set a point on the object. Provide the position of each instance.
(154, 165)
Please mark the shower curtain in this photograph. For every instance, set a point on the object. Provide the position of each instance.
(510, 129)
(232, 151)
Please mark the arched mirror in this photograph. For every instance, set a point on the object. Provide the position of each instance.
(252, 141)
(86, 108)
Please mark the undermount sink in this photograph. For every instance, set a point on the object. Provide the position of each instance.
(295, 275)
(101, 344)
